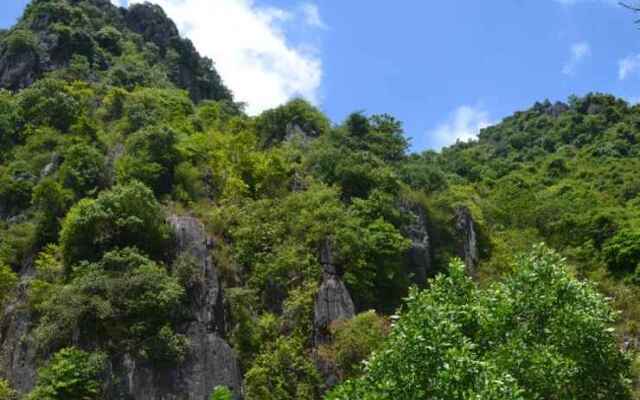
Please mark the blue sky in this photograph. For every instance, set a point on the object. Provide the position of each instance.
(445, 68)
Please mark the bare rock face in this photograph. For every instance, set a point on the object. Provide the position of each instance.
(419, 254)
(211, 361)
(17, 353)
(333, 301)
(466, 228)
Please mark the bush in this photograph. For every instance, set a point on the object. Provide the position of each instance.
(221, 393)
(71, 374)
(622, 252)
(49, 102)
(82, 170)
(353, 342)
(126, 216)
(273, 125)
(282, 373)
(6, 393)
(125, 299)
(541, 334)
(8, 282)
(151, 158)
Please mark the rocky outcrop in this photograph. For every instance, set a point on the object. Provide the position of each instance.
(211, 361)
(419, 254)
(17, 352)
(333, 301)
(469, 243)
(36, 45)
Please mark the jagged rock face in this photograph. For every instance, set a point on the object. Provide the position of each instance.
(18, 71)
(17, 353)
(211, 361)
(419, 254)
(466, 228)
(50, 50)
(333, 301)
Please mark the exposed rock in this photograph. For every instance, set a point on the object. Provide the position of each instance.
(51, 166)
(333, 301)
(211, 361)
(466, 228)
(17, 353)
(419, 254)
(207, 303)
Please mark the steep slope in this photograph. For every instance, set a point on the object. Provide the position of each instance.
(156, 242)
(94, 40)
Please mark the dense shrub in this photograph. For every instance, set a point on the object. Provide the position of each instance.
(127, 215)
(125, 299)
(353, 342)
(282, 373)
(151, 158)
(539, 334)
(71, 374)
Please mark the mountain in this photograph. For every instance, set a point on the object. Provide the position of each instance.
(102, 43)
(158, 243)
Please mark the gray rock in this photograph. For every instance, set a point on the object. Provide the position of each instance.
(466, 229)
(333, 301)
(419, 254)
(17, 352)
(211, 361)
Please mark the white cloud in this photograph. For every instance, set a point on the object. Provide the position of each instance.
(579, 51)
(463, 124)
(312, 15)
(250, 47)
(628, 66)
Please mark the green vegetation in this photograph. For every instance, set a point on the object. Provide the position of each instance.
(71, 374)
(539, 334)
(112, 137)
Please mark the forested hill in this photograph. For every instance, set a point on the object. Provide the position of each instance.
(158, 243)
(95, 41)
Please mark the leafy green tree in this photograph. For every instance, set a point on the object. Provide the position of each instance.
(71, 374)
(49, 102)
(151, 157)
(282, 373)
(622, 251)
(353, 342)
(539, 334)
(274, 125)
(125, 299)
(52, 202)
(83, 170)
(8, 282)
(128, 215)
(6, 392)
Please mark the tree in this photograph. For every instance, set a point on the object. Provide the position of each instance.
(8, 281)
(540, 334)
(126, 216)
(82, 170)
(151, 157)
(70, 374)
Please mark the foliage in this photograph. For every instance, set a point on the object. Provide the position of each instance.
(353, 342)
(8, 282)
(151, 158)
(221, 393)
(124, 298)
(274, 125)
(71, 374)
(6, 393)
(281, 373)
(127, 215)
(539, 334)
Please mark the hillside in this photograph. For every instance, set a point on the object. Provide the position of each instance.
(158, 243)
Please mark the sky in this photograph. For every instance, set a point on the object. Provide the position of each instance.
(446, 68)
